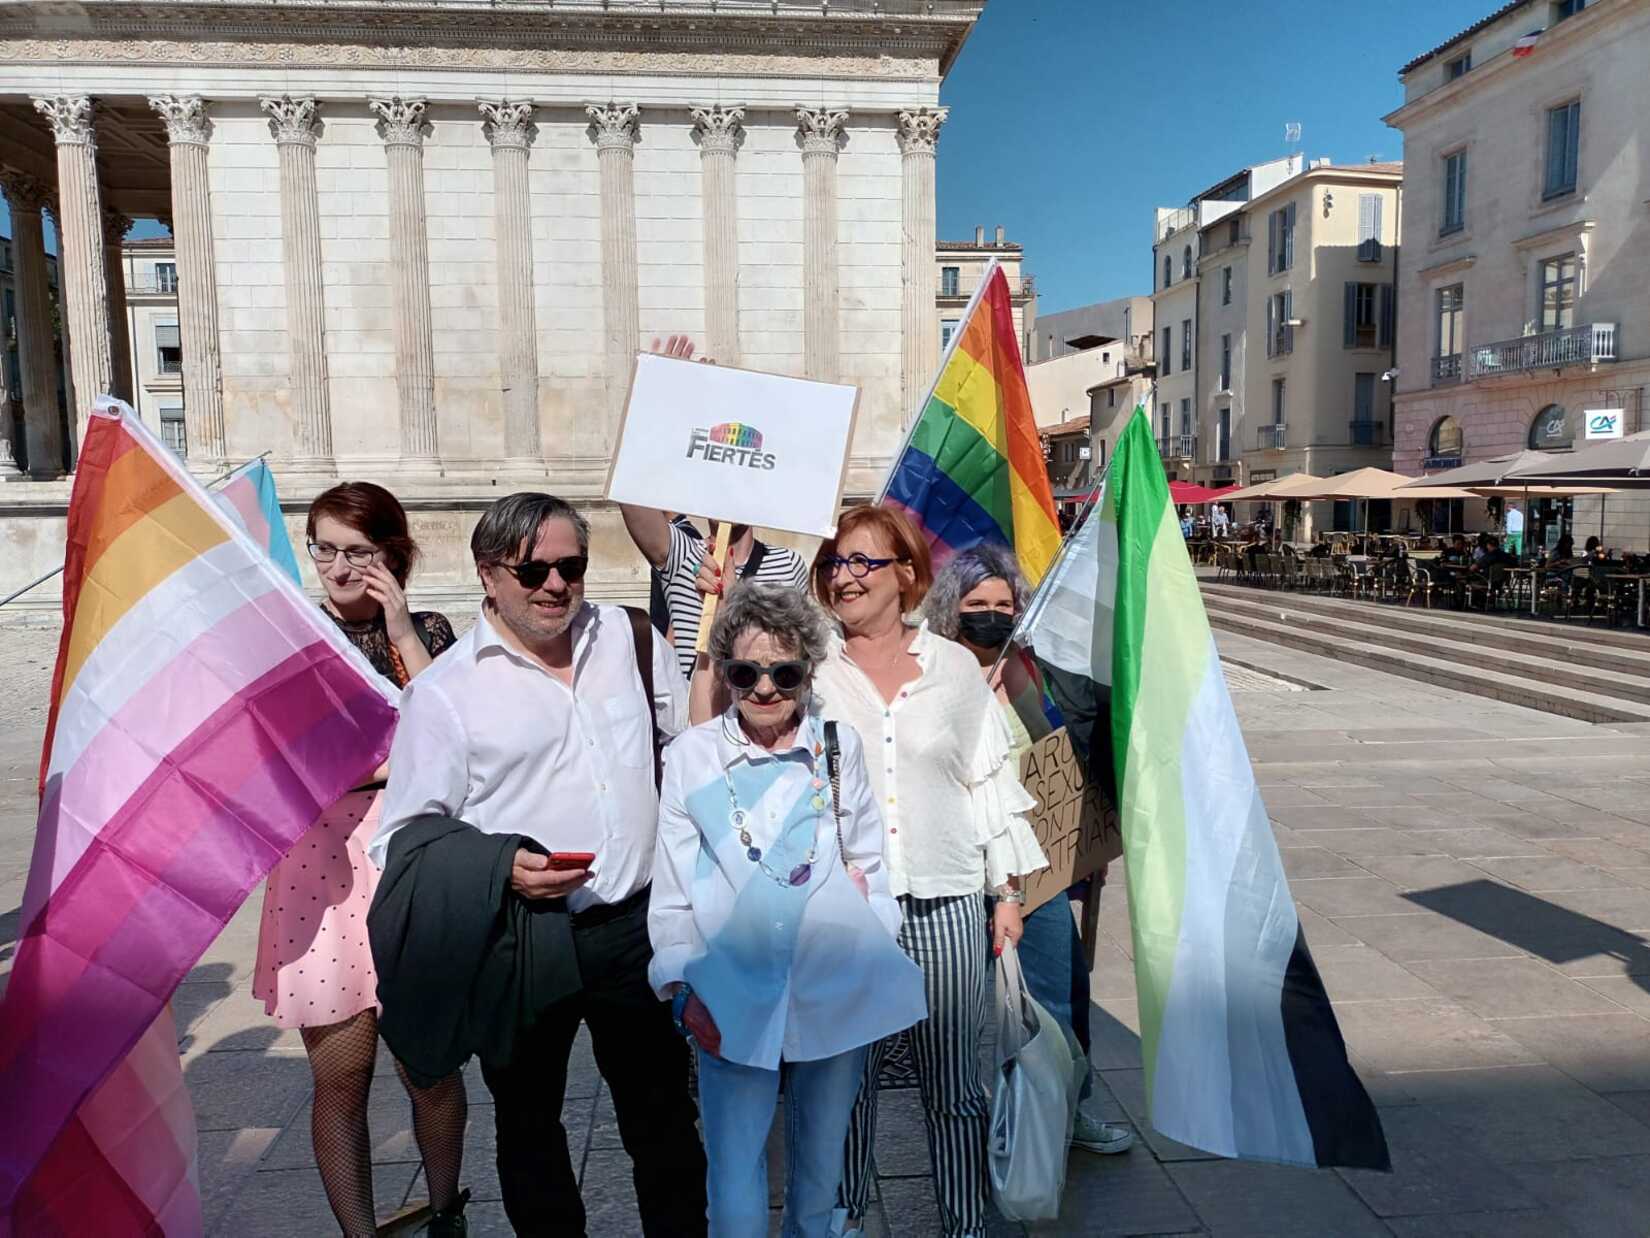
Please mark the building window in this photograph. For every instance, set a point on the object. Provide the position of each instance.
(1368, 320)
(949, 281)
(1168, 270)
(1558, 292)
(1550, 431)
(1280, 336)
(1185, 344)
(1168, 345)
(1446, 441)
(1111, 397)
(1223, 435)
(1563, 145)
(1234, 230)
(1185, 417)
(1363, 403)
(1225, 285)
(1567, 8)
(1457, 67)
(168, 348)
(1226, 363)
(1163, 417)
(948, 328)
(1186, 263)
(171, 431)
(1455, 193)
(1452, 303)
(1280, 240)
(1369, 227)
(1277, 401)
(166, 277)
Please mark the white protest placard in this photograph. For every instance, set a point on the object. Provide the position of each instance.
(735, 445)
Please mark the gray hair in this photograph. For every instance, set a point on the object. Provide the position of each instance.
(514, 521)
(783, 613)
(966, 571)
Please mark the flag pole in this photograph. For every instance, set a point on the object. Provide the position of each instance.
(945, 360)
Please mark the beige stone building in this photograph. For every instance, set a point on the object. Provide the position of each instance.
(149, 274)
(1526, 240)
(422, 244)
(960, 267)
(13, 451)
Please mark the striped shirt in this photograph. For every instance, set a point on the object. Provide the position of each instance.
(779, 566)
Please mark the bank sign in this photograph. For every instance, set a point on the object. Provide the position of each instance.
(1602, 422)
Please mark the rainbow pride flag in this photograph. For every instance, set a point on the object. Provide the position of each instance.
(972, 469)
(203, 714)
(248, 495)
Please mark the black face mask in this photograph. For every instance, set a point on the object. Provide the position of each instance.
(985, 629)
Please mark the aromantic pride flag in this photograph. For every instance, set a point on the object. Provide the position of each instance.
(203, 714)
(1242, 1052)
(972, 467)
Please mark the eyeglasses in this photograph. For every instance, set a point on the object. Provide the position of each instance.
(786, 677)
(859, 566)
(356, 556)
(534, 572)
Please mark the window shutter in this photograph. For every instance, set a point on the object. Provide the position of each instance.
(1272, 242)
(1350, 336)
(1375, 227)
(1368, 219)
(1271, 326)
(166, 335)
(1288, 313)
(1386, 316)
(1572, 143)
(1557, 130)
(1289, 237)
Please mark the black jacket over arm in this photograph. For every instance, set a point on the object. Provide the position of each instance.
(464, 963)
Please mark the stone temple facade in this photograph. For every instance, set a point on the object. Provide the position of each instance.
(420, 241)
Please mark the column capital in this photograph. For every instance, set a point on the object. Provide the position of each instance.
(719, 128)
(614, 126)
(24, 192)
(291, 120)
(185, 117)
(507, 123)
(919, 129)
(820, 129)
(115, 226)
(70, 117)
(400, 121)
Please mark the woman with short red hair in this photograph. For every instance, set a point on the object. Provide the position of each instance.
(939, 756)
(314, 967)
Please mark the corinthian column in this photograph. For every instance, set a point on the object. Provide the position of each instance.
(509, 129)
(401, 125)
(293, 124)
(115, 228)
(37, 361)
(820, 133)
(919, 130)
(187, 130)
(720, 130)
(84, 282)
(614, 128)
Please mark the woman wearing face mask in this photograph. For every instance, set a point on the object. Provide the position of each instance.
(976, 600)
(940, 763)
(314, 968)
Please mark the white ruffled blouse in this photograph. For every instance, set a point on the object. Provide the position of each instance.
(941, 764)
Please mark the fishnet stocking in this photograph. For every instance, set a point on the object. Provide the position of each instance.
(439, 1113)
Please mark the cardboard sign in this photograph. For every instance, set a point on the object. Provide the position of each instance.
(1076, 829)
(735, 445)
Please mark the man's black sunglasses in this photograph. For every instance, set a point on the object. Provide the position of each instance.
(743, 676)
(534, 572)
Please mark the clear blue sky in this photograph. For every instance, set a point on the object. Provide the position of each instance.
(1072, 119)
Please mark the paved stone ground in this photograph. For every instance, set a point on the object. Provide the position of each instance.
(1475, 883)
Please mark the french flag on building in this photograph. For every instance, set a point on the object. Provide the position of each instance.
(1526, 45)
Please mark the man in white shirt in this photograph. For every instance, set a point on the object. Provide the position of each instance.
(1221, 522)
(536, 723)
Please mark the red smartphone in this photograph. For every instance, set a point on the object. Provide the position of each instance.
(572, 859)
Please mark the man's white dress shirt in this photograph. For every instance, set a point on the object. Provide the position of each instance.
(490, 737)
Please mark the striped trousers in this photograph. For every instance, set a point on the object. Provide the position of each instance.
(947, 938)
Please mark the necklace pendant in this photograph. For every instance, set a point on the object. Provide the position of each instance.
(753, 854)
(801, 873)
(739, 819)
(818, 803)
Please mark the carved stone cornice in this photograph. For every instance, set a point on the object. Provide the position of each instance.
(614, 126)
(70, 117)
(820, 129)
(401, 121)
(719, 128)
(919, 129)
(292, 120)
(115, 226)
(24, 192)
(185, 117)
(507, 123)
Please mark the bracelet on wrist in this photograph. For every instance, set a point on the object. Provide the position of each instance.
(1011, 895)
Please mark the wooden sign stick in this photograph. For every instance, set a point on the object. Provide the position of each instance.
(719, 556)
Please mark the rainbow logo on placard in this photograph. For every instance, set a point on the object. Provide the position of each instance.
(736, 434)
(731, 442)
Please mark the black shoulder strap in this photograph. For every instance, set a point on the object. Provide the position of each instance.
(753, 563)
(641, 632)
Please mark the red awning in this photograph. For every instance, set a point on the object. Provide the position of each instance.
(1185, 492)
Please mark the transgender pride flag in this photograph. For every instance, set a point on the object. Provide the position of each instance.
(248, 495)
(203, 714)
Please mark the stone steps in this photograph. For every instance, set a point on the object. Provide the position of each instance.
(1376, 640)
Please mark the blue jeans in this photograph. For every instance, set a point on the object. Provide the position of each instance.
(1051, 957)
(736, 1106)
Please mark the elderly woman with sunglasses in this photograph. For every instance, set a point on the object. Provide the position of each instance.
(941, 767)
(772, 923)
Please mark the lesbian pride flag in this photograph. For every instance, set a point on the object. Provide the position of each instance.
(972, 468)
(203, 714)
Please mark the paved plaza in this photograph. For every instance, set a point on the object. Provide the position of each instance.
(1474, 879)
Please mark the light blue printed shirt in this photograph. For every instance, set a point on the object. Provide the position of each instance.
(789, 972)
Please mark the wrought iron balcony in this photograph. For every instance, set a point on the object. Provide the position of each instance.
(1588, 344)
(1271, 438)
(1446, 370)
(1366, 433)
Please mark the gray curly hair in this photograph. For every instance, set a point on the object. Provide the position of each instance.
(788, 616)
(965, 572)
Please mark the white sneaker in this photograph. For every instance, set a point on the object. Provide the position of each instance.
(1093, 1135)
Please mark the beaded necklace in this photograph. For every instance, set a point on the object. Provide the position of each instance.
(739, 819)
